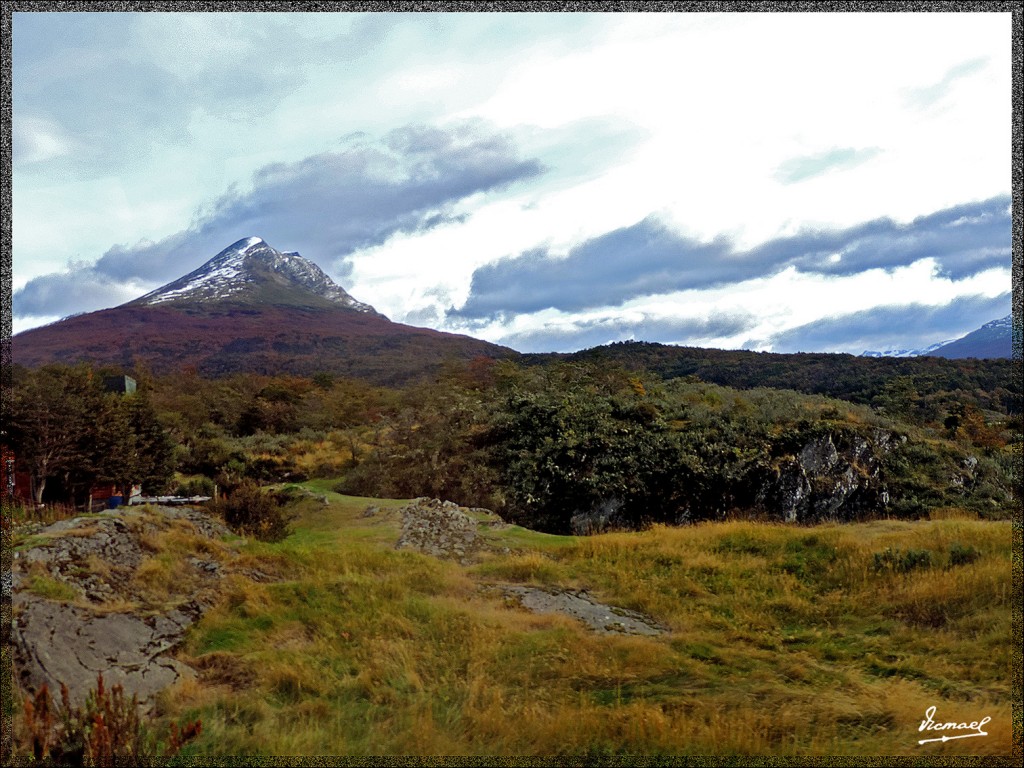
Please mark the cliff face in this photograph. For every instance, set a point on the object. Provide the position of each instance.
(835, 476)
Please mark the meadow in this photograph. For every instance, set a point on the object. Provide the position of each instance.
(783, 641)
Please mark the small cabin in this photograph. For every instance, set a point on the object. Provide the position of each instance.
(123, 385)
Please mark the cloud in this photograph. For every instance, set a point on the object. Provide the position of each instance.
(326, 206)
(35, 140)
(78, 291)
(582, 334)
(910, 326)
(964, 240)
(808, 166)
(649, 259)
(642, 259)
(138, 82)
(925, 96)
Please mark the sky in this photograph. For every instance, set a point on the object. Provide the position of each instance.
(550, 182)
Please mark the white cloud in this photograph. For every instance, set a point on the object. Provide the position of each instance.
(36, 140)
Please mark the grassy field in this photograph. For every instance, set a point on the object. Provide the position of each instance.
(826, 640)
(784, 641)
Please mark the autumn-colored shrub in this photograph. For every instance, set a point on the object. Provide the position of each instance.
(106, 731)
(250, 511)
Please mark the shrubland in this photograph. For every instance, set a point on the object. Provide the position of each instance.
(569, 445)
(821, 638)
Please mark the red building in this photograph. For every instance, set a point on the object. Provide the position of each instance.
(13, 484)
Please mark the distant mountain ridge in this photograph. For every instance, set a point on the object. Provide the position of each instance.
(251, 309)
(992, 340)
(905, 352)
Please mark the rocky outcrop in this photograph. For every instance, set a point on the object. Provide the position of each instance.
(444, 529)
(80, 610)
(580, 605)
(57, 643)
(835, 476)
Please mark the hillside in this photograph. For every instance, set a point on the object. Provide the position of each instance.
(235, 338)
(767, 640)
(988, 383)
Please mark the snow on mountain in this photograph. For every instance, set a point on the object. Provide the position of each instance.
(245, 267)
(993, 339)
(905, 352)
(1002, 324)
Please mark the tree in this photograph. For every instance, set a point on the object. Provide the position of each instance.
(584, 447)
(48, 417)
(64, 425)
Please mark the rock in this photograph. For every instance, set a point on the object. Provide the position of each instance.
(443, 528)
(832, 477)
(597, 520)
(580, 605)
(57, 642)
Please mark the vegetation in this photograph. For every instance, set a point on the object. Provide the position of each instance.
(562, 447)
(68, 429)
(783, 641)
(914, 389)
(106, 731)
(252, 512)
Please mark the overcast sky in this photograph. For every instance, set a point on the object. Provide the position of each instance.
(785, 182)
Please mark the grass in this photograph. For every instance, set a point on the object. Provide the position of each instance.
(51, 589)
(784, 641)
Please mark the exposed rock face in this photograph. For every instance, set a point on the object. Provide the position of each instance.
(833, 477)
(109, 628)
(578, 604)
(443, 528)
(251, 268)
(56, 643)
(604, 517)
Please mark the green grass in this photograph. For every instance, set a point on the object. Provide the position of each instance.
(52, 589)
(784, 641)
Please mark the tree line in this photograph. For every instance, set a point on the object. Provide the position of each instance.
(573, 444)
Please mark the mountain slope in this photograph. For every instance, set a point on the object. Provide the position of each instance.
(250, 309)
(250, 271)
(994, 339)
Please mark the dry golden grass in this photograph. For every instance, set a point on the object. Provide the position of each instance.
(784, 641)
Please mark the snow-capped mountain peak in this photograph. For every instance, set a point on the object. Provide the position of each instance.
(1002, 324)
(252, 270)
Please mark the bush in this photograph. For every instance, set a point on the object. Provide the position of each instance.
(249, 511)
(196, 486)
(107, 731)
(895, 560)
(962, 555)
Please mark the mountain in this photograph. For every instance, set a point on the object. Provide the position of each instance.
(251, 309)
(994, 339)
(904, 352)
(250, 271)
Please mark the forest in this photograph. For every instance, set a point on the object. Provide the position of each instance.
(615, 438)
